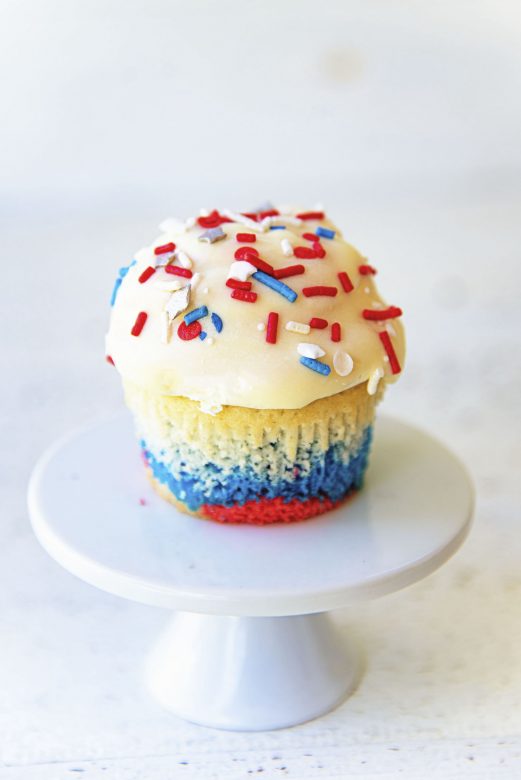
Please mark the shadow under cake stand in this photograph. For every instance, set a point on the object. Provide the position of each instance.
(250, 645)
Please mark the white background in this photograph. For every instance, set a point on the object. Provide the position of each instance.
(404, 119)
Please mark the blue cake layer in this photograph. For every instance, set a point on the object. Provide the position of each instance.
(333, 473)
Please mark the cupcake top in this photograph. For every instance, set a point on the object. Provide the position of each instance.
(268, 310)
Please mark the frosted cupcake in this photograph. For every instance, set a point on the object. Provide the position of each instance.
(253, 350)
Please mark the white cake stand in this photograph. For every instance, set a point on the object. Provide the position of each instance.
(250, 646)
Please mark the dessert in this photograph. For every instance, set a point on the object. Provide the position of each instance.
(253, 349)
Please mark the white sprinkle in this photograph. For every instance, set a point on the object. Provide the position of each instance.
(310, 350)
(208, 408)
(172, 225)
(342, 363)
(390, 329)
(168, 285)
(190, 223)
(183, 259)
(242, 220)
(208, 340)
(203, 212)
(261, 326)
(280, 219)
(286, 247)
(166, 330)
(194, 281)
(386, 359)
(241, 270)
(178, 302)
(298, 327)
(372, 384)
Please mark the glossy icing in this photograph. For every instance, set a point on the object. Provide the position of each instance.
(224, 354)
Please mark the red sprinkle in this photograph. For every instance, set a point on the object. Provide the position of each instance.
(318, 322)
(289, 270)
(268, 213)
(110, 360)
(305, 252)
(189, 332)
(213, 220)
(271, 330)
(261, 265)
(161, 250)
(391, 354)
(345, 281)
(139, 323)
(147, 273)
(319, 249)
(245, 253)
(244, 295)
(310, 237)
(178, 271)
(311, 215)
(367, 270)
(382, 314)
(235, 284)
(246, 238)
(319, 289)
(250, 215)
(336, 331)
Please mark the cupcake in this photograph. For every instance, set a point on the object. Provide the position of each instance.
(253, 349)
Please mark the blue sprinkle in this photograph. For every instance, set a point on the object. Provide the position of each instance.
(195, 314)
(203, 334)
(117, 285)
(217, 322)
(126, 268)
(325, 232)
(278, 227)
(315, 365)
(276, 285)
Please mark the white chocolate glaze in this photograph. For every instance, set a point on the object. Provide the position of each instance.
(241, 367)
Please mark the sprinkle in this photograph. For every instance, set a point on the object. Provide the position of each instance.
(311, 215)
(261, 265)
(305, 252)
(203, 334)
(183, 259)
(190, 223)
(261, 326)
(319, 289)
(244, 295)
(298, 327)
(271, 330)
(382, 314)
(245, 253)
(126, 268)
(169, 285)
(217, 322)
(287, 249)
(277, 227)
(178, 302)
(241, 270)
(166, 330)
(267, 222)
(194, 281)
(342, 363)
(391, 354)
(147, 273)
(315, 365)
(164, 249)
(212, 220)
(246, 238)
(212, 235)
(276, 285)
(110, 360)
(290, 270)
(139, 323)
(189, 332)
(196, 314)
(324, 232)
(243, 219)
(335, 331)
(373, 381)
(265, 207)
(309, 237)
(308, 350)
(318, 322)
(115, 290)
(367, 270)
(345, 281)
(319, 249)
(236, 285)
(178, 271)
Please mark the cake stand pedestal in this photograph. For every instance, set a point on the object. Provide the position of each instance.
(250, 645)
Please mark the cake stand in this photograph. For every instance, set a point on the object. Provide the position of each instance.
(250, 645)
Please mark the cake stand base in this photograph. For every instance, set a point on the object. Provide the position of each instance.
(250, 646)
(251, 674)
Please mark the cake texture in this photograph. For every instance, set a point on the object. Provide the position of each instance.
(253, 350)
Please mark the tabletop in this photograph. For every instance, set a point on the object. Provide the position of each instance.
(440, 215)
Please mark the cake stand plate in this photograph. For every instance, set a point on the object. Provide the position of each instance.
(249, 646)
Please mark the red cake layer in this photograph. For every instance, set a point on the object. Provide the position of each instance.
(268, 510)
